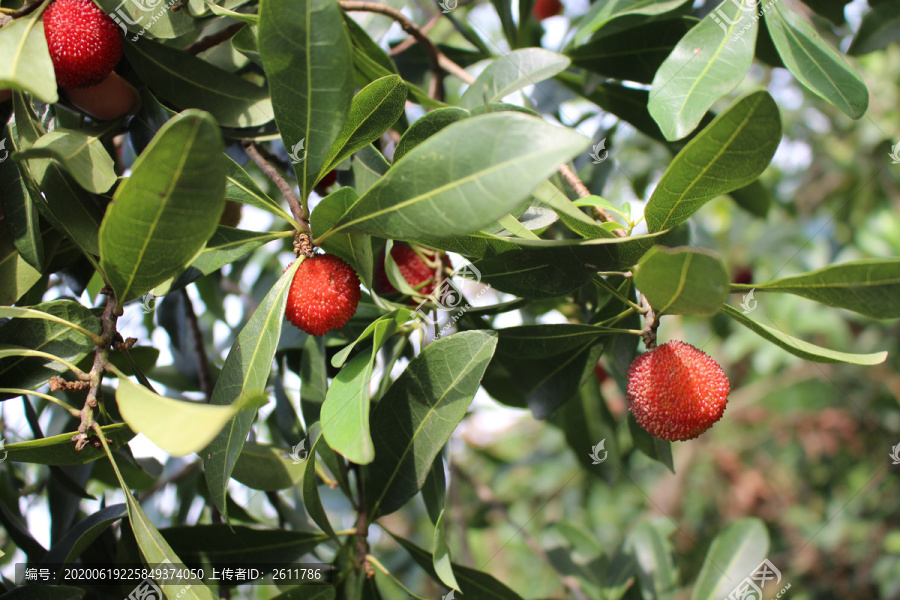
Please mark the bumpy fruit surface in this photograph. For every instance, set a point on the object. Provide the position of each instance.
(544, 9)
(676, 392)
(413, 268)
(323, 295)
(84, 42)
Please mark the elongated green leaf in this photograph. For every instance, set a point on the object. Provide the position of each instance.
(512, 72)
(149, 16)
(655, 448)
(814, 63)
(634, 54)
(166, 211)
(870, 287)
(20, 214)
(355, 248)
(228, 245)
(77, 539)
(46, 328)
(443, 566)
(82, 154)
(245, 374)
(156, 550)
(427, 195)
(60, 449)
(682, 280)
(474, 585)
(312, 502)
(373, 111)
(26, 63)
(733, 556)
(241, 188)
(189, 82)
(427, 126)
(880, 27)
(180, 428)
(729, 153)
(266, 467)
(345, 412)
(600, 13)
(421, 409)
(60, 200)
(16, 275)
(798, 347)
(308, 60)
(247, 18)
(223, 544)
(653, 556)
(710, 61)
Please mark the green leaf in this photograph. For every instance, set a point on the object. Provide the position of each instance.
(46, 328)
(266, 467)
(245, 375)
(586, 420)
(710, 61)
(249, 19)
(798, 347)
(159, 21)
(755, 198)
(60, 449)
(241, 188)
(312, 502)
(652, 551)
(345, 412)
(221, 544)
(81, 535)
(368, 167)
(634, 54)
(166, 211)
(870, 287)
(373, 111)
(879, 28)
(427, 126)
(355, 248)
(82, 155)
(473, 585)
(178, 427)
(308, 60)
(682, 280)
(189, 82)
(655, 448)
(20, 215)
(443, 567)
(815, 64)
(601, 13)
(26, 64)
(512, 72)
(729, 153)
(420, 410)
(228, 245)
(427, 195)
(733, 556)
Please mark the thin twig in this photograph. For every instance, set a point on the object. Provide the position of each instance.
(651, 324)
(600, 213)
(362, 524)
(284, 187)
(434, 55)
(205, 43)
(203, 373)
(410, 41)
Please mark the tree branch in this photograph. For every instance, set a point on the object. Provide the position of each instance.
(434, 55)
(214, 39)
(362, 524)
(600, 214)
(651, 324)
(297, 208)
(203, 373)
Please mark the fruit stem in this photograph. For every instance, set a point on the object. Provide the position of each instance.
(302, 224)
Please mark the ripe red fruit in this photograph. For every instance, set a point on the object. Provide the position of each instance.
(544, 9)
(413, 268)
(84, 42)
(323, 295)
(743, 275)
(676, 392)
(326, 182)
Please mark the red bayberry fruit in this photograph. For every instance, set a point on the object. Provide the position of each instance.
(743, 275)
(326, 182)
(84, 42)
(544, 9)
(323, 296)
(412, 266)
(676, 392)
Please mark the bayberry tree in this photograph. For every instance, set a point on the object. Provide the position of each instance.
(345, 299)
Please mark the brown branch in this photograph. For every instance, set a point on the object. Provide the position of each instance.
(297, 208)
(214, 39)
(362, 524)
(434, 55)
(410, 41)
(651, 324)
(203, 373)
(101, 360)
(600, 214)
